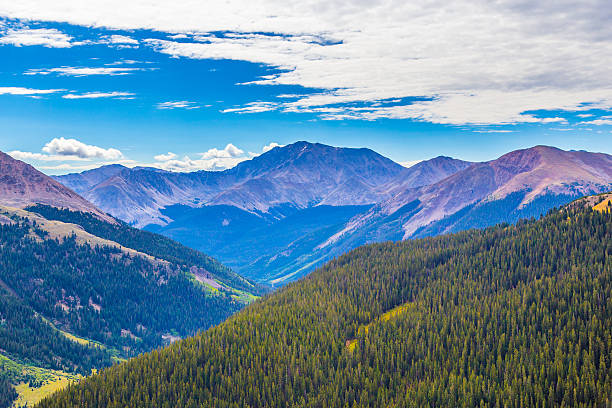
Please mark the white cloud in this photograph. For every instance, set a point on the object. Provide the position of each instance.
(188, 164)
(553, 120)
(177, 105)
(271, 146)
(477, 62)
(72, 147)
(41, 36)
(230, 151)
(598, 122)
(85, 71)
(212, 160)
(12, 90)
(120, 39)
(96, 95)
(254, 107)
(66, 151)
(165, 157)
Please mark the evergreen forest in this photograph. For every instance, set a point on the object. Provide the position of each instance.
(511, 316)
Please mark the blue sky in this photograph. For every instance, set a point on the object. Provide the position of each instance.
(85, 85)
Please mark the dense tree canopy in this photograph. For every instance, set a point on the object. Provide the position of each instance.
(25, 336)
(511, 316)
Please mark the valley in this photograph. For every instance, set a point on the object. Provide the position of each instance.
(305, 204)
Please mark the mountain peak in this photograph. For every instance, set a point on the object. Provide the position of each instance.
(22, 185)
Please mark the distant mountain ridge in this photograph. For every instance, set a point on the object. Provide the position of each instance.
(277, 216)
(534, 172)
(299, 176)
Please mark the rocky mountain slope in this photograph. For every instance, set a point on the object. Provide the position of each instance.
(528, 181)
(265, 216)
(22, 185)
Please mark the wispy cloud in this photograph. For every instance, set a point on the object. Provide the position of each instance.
(598, 122)
(15, 90)
(254, 107)
(128, 62)
(86, 71)
(96, 95)
(47, 37)
(177, 105)
(469, 62)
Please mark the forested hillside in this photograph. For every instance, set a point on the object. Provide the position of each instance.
(103, 293)
(514, 316)
(72, 302)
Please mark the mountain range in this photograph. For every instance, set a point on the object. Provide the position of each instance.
(276, 217)
(519, 184)
(81, 290)
(283, 180)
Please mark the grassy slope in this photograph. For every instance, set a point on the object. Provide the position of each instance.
(33, 383)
